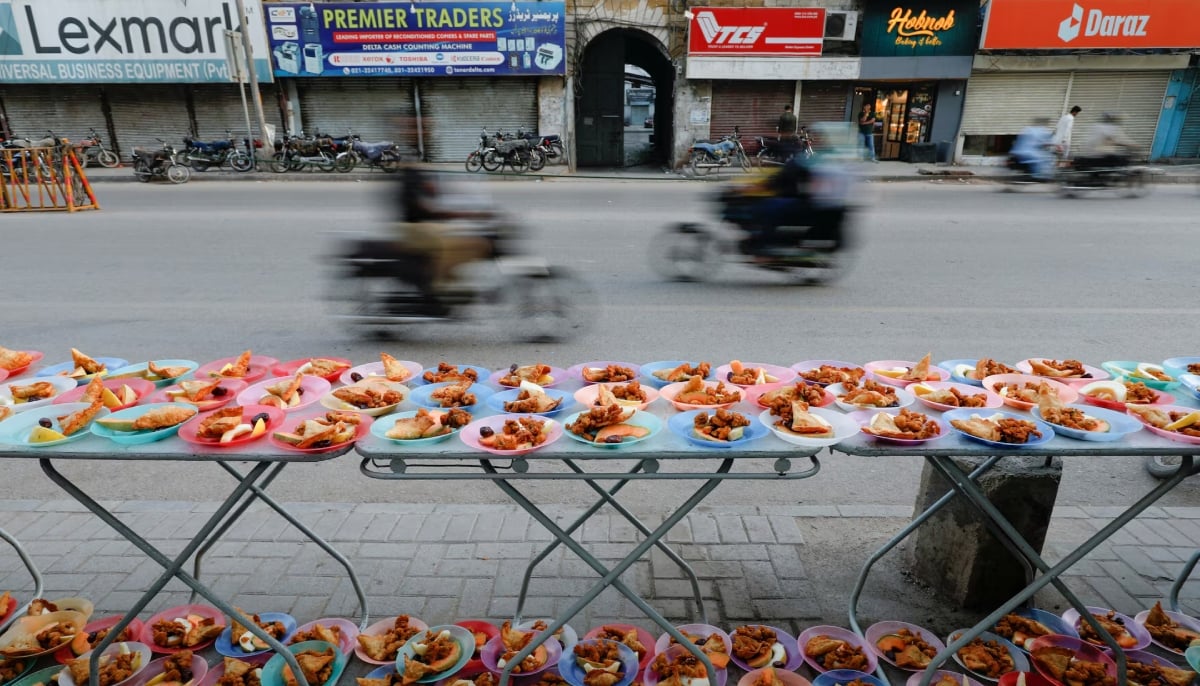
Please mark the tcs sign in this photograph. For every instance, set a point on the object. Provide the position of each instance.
(757, 31)
(715, 34)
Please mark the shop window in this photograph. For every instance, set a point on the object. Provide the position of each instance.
(988, 145)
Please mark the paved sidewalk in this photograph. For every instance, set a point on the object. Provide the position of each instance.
(793, 566)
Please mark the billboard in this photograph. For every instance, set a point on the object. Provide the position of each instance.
(909, 28)
(418, 39)
(757, 32)
(123, 41)
(1089, 24)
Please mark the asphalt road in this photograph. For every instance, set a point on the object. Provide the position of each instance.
(206, 270)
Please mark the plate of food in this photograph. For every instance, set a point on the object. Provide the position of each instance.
(566, 636)
(502, 648)
(530, 399)
(341, 632)
(828, 372)
(903, 645)
(903, 427)
(161, 373)
(757, 645)
(612, 658)
(1114, 394)
(203, 394)
(1021, 391)
(51, 426)
(626, 394)
(1152, 375)
(612, 426)
(988, 657)
(421, 426)
(237, 640)
(696, 394)
(771, 676)
(541, 374)
(1192, 383)
(328, 368)
(483, 632)
(999, 429)
(677, 665)
(903, 372)
(30, 637)
(21, 397)
(289, 393)
(1171, 631)
(13, 670)
(387, 369)
(951, 395)
(832, 647)
(1063, 659)
(83, 367)
(8, 606)
(659, 374)
(231, 426)
(766, 396)
(1127, 633)
(1174, 422)
(1024, 625)
(120, 663)
(810, 427)
(712, 640)
(849, 677)
(316, 431)
(446, 371)
(1067, 371)
(718, 428)
(443, 396)
(747, 374)
(143, 424)
(370, 397)
(321, 663)
(184, 668)
(511, 434)
(944, 677)
(869, 395)
(186, 627)
(1192, 655)
(604, 371)
(114, 394)
(1175, 366)
(17, 362)
(973, 371)
(1085, 423)
(635, 638)
(1147, 668)
(248, 367)
(380, 643)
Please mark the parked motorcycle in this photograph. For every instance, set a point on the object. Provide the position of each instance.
(549, 146)
(201, 155)
(514, 152)
(91, 150)
(706, 155)
(149, 164)
(382, 155)
(35, 164)
(487, 144)
(296, 153)
(778, 151)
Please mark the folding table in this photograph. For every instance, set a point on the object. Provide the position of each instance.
(33, 572)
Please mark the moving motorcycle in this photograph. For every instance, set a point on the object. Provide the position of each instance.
(200, 155)
(91, 149)
(151, 164)
(706, 155)
(1093, 174)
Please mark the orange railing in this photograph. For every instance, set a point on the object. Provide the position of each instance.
(43, 179)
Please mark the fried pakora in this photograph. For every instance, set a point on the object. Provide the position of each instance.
(1111, 623)
(998, 428)
(949, 396)
(1162, 629)
(697, 392)
(869, 394)
(1020, 630)
(450, 372)
(722, 426)
(14, 359)
(455, 395)
(369, 396)
(813, 395)
(1059, 369)
(828, 374)
(909, 426)
(317, 667)
(907, 649)
(533, 373)
(989, 658)
(748, 376)
(238, 673)
(383, 647)
(834, 653)
(758, 646)
(683, 372)
(612, 372)
(521, 433)
(113, 668)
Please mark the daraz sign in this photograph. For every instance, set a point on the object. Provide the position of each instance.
(123, 41)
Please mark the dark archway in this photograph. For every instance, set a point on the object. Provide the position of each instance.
(600, 103)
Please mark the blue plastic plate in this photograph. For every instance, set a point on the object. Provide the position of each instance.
(1049, 620)
(1191, 382)
(1126, 369)
(1120, 425)
(16, 429)
(949, 366)
(272, 673)
(1177, 366)
(639, 418)
(844, 676)
(110, 363)
(419, 379)
(422, 395)
(647, 371)
(140, 367)
(225, 646)
(381, 426)
(682, 424)
(965, 413)
(570, 670)
(496, 401)
(136, 437)
(466, 641)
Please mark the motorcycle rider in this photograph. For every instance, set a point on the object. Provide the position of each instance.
(1108, 146)
(1031, 150)
(804, 193)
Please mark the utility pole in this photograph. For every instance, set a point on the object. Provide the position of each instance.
(253, 74)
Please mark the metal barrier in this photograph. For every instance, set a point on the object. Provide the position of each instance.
(43, 179)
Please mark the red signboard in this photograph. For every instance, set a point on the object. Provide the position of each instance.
(1078, 24)
(756, 31)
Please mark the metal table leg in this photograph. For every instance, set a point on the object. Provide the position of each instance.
(171, 568)
(33, 572)
(610, 577)
(1183, 577)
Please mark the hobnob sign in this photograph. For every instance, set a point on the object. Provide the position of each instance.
(910, 28)
(123, 41)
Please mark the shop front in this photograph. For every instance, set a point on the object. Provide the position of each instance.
(916, 57)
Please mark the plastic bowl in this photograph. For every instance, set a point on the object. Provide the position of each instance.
(1127, 370)
(647, 371)
(496, 401)
(423, 396)
(669, 392)
(809, 365)
(569, 669)
(903, 399)
(225, 646)
(1136, 630)
(181, 611)
(466, 643)
(838, 633)
(490, 656)
(682, 425)
(877, 631)
(1178, 617)
(1020, 662)
(576, 371)
(918, 390)
(475, 664)
(644, 637)
(470, 433)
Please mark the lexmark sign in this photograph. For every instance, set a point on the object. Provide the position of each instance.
(85, 41)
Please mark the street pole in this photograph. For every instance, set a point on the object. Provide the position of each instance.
(253, 74)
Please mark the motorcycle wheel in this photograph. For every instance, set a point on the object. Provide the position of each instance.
(685, 252)
(519, 162)
(699, 159)
(196, 166)
(108, 159)
(1134, 184)
(558, 152)
(177, 174)
(553, 306)
(141, 172)
(344, 163)
(241, 162)
(390, 162)
(744, 160)
(326, 164)
(492, 161)
(295, 163)
(474, 162)
(279, 163)
(537, 161)
(181, 158)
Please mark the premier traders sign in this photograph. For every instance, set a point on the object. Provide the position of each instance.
(122, 41)
(906, 28)
(417, 39)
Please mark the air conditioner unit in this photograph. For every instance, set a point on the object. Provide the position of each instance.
(840, 25)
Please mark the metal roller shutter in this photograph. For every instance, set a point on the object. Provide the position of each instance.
(1189, 138)
(1137, 96)
(822, 101)
(1003, 104)
(218, 108)
(454, 111)
(752, 106)
(368, 106)
(143, 113)
(68, 110)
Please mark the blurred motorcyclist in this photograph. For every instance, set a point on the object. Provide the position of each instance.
(1032, 148)
(1108, 146)
(803, 194)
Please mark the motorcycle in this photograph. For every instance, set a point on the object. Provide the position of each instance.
(200, 156)
(487, 144)
(91, 150)
(778, 151)
(550, 147)
(25, 160)
(159, 164)
(381, 155)
(514, 152)
(1086, 175)
(296, 153)
(706, 155)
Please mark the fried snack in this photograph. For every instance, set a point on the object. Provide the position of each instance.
(11, 669)
(247, 641)
(828, 374)
(1140, 393)
(920, 371)
(85, 364)
(1083, 673)
(1160, 625)
(38, 390)
(186, 632)
(426, 424)
(70, 423)
(1193, 368)
(1059, 369)
(683, 372)
(521, 433)
(368, 396)
(14, 359)
(1020, 630)
(533, 373)
(163, 417)
(813, 395)
(40, 606)
(748, 376)
(155, 372)
(628, 637)
(1073, 418)
(177, 670)
(713, 646)
(588, 423)
(768, 677)
(998, 428)
(758, 646)
(723, 426)
(216, 424)
(869, 394)
(514, 641)
(911, 426)
(392, 369)
(673, 670)
(94, 637)
(988, 658)
(604, 656)
(949, 396)
(986, 367)
(455, 395)
(238, 673)
(284, 394)
(93, 391)
(907, 649)
(449, 372)
(631, 392)
(795, 418)
(1147, 674)
(235, 370)
(834, 653)
(1026, 392)
(1110, 622)
(385, 646)
(612, 372)
(317, 667)
(5, 413)
(195, 391)
(113, 668)
(319, 632)
(696, 392)
(532, 400)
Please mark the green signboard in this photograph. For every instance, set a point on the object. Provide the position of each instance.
(909, 28)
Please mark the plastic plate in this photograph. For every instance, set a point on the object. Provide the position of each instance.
(492, 651)
(61, 385)
(143, 650)
(1047, 619)
(260, 366)
(375, 369)
(644, 637)
(136, 437)
(139, 371)
(1090, 373)
(1178, 617)
(331, 401)
(673, 653)
(1171, 435)
(158, 666)
(682, 425)
(754, 394)
(877, 631)
(1127, 370)
(231, 388)
(569, 669)
(1066, 394)
(791, 650)
(1136, 630)
(16, 429)
(671, 390)
(470, 433)
(140, 387)
(347, 634)
(864, 418)
(587, 395)
(936, 373)
(380, 628)
(785, 677)
(918, 390)
(641, 419)
(903, 399)
(843, 427)
(179, 612)
(489, 631)
(576, 371)
(1120, 425)
(291, 366)
(226, 647)
(952, 366)
(840, 634)
(275, 417)
(423, 396)
(64, 368)
(383, 425)
(1046, 430)
(272, 672)
(1175, 366)
(1020, 662)
(1082, 650)
(35, 356)
(809, 365)
(312, 389)
(292, 422)
(496, 400)
(845, 676)
(557, 377)
(774, 374)
(647, 371)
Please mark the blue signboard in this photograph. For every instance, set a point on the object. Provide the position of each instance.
(417, 38)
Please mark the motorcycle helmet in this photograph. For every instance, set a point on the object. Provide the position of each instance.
(1110, 118)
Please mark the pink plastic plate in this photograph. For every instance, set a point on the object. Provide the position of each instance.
(260, 366)
(64, 654)
(1083, 651)
(371, 369)
(1160, 398)
(774, 373)
(313, 388)
(838, 633)
(1172, 435)
(864, 417)
(557, 376)
(275, 417)
(489, 630)
(671, 390)
(288, 368)
(586, 396)
(754, 394)
(993, 400)
(36, 357)
(644, 637)
(470, 433)
(1067, 394)
(141, 387)
(380, 628)
(180, 612)
(295, 420)
(231, 386)
(809, 365)
(1136, 630)
(880, 629)
(576, 371)
(1093, 373)
(936, 373)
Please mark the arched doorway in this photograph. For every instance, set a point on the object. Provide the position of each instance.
(603, 132)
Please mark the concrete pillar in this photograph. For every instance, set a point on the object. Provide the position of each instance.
(693, 108)
(955, 551)
(552, 106)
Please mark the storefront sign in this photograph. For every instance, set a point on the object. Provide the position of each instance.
(905, 28)
(418, 39)
(123, 41)
(756, 32)
(1080, 24)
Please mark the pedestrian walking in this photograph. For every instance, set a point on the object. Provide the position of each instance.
(1062, 131)
(866, 131)
(786, 128)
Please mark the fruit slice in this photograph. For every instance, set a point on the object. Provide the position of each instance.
(623, 431)
(438, 666)
(41, 434)
(235, 432)
(718, 660)
(110, 399)
(1183, 422)
(128, 395)
(116, 424)
(289, 438)
(890, 642)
